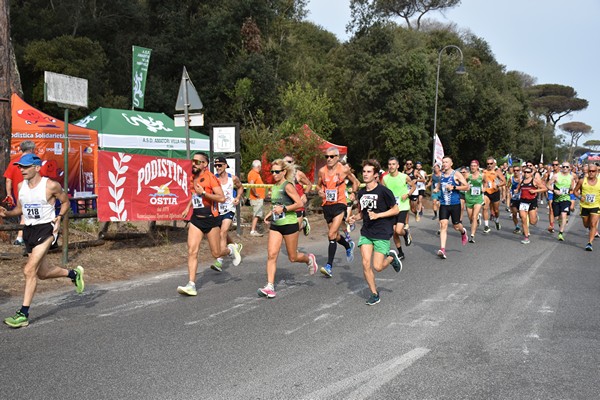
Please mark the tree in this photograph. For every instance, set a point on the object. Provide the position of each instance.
(555, 101)
(593, 144)
(9, 82)
(367, 12)
(575, 130)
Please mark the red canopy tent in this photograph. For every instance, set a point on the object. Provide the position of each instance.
(318, 161)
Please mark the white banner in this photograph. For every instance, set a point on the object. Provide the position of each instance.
(438, 150)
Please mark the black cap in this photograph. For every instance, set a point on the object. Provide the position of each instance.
(220, 160)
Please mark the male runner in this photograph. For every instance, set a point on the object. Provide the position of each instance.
(492, 180)
(588, 189)
(562, 185)
(332, 189)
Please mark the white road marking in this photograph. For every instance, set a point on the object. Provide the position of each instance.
(134, 305)
(366, 383)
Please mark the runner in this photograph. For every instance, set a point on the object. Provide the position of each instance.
(377, 207)
(474, 196)
(450, 185)
(414, 195)
(36, 200)
(400, 185)
(303, 185)
(515, 195)
(507, 193)
(562, 185)
(492, 180)
(435, 196)
(206, 195)
(257, 196)
(284, 224)
(421, 181)
(233, 191)
(528, 189)
(551, 217)
(588, 189)
(332, 189)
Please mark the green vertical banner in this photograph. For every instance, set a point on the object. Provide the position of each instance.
(139, 71)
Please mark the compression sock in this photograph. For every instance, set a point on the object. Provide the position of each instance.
(72, 274)
(331, 252)
(342, 240)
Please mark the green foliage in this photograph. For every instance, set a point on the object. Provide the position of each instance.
(303, 104)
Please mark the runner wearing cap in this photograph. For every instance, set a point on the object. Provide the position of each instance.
(36, 201)
(233, 191)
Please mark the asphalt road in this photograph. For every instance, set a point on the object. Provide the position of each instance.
(496, 320)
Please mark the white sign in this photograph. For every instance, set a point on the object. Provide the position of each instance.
(65, 90)
(195, 119)
(224, 139)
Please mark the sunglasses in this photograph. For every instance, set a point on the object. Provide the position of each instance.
(592, 170)
(276, 171)
(25, 166)
(490, 163)
(409, 163)
(331, 156)
(527, 172)
(565, 166)
(219, 165)
(198, 162)
(555, 165)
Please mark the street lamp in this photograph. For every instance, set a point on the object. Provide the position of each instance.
(460, 71)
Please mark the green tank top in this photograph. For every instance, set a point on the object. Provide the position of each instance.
(474, 194)
(397, 184)
(563, 183)
(280, 197)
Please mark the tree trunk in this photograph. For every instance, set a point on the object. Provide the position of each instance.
(10, 82)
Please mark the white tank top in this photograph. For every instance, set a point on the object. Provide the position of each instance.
(227, 205)
(36, 208)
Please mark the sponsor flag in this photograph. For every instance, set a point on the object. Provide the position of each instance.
(134, 187)
(139, 71)
(438, 150)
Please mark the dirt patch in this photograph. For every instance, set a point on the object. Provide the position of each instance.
(125, 258)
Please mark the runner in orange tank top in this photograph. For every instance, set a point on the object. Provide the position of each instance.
(493, 179)
(332, 190)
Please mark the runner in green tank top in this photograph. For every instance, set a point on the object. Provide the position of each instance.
(474, 196)
(562, 185)
(401, 185)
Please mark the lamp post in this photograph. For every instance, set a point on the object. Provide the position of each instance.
(460, 71)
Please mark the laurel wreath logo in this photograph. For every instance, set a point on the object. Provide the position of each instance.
(118, 205)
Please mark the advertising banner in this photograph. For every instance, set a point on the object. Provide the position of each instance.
(438, 151)
(141, 60)
(135, 187)
(48, 135)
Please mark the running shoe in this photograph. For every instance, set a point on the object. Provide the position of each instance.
(267, 292)
(517, 230)
(326, 270)
(441, 254)
(217, 266)
(17, 321)
(551, 229)
(417, 217)
(472, 239)
(486, 229)
(597, 235)
(189, 289)
(588, 247)
(78, 281)
(373, 299)
(421, 213)
(240, 247)
(19, 242)
(464, 238)
(561, 237)
(526, 240)
(352, 227)
(396, 263)
(407, 237)
(306, 227)
(400, 253)
(350, 251)
(438, 232)
(434, 217)
(498, 226)
(235, 254)
(347, 236)
(256, 234)
(507, 209)
(312, 264)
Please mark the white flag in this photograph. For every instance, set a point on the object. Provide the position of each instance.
(438, 150)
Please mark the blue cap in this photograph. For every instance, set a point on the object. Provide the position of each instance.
(28, 160)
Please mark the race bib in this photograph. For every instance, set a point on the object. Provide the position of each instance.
(475, 191)
(331, 195)
(590, 198)
(444, 187)
(489, 184)
(564, 190)
(223, 208)
(32, 211)
(197, 201)
(277, 217)
(524, 206)
(398, 199)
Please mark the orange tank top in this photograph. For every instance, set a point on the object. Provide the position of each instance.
(489, 181)
(203, 206)
(334, 185)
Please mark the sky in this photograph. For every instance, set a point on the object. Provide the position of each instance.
(555, 41)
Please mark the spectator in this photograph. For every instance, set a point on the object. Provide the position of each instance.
(257, 196)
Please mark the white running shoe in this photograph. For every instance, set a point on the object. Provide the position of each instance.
(235, 253)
